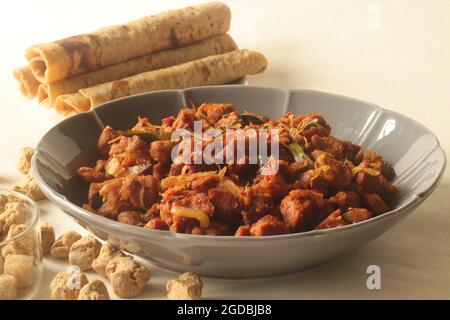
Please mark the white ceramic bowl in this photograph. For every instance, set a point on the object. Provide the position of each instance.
(412, 149)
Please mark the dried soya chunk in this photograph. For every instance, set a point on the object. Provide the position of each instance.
(107, 252)
(14, 213)
(61, 247)
(47, 237)
(21, 267)
(94, 290)
(3, 201)
(30, 189)
(67, 285)
(127, 277)
(83, 252)
(188, 286)
(24, 245)
(24, 163)
(8, 287)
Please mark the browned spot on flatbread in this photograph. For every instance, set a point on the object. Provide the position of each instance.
(78, 44)
(174, 41)
(206, 73)
(72, 44)
(84, 61)
(94, 38)
(94, 62)
(119, 85)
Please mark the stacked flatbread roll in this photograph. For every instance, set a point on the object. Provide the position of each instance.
(172, 50)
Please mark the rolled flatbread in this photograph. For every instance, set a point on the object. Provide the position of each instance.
(28, 85)
(212, 70)
(73, 103)
(42, 95)
(208, 47)
(61, 59)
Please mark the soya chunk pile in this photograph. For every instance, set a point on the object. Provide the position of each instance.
(20, 255)
(126, 276)
(18, 265)
(29, 186)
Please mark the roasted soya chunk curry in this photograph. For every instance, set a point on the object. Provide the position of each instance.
(321, 182)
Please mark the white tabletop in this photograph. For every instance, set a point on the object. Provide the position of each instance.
(393, 53)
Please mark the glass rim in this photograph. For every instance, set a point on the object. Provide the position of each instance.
(34, 209)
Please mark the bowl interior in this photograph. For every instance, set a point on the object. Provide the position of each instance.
(412, 149)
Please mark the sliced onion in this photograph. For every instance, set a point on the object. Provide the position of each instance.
(298, 153)
(369, 171)
(183, 180)
(114, 167)
(137, 169)
(109, 186)
(222, 172)
(198, 215)
(308, 125)
(184, 170)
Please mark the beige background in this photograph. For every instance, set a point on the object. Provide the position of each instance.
(395, 53)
